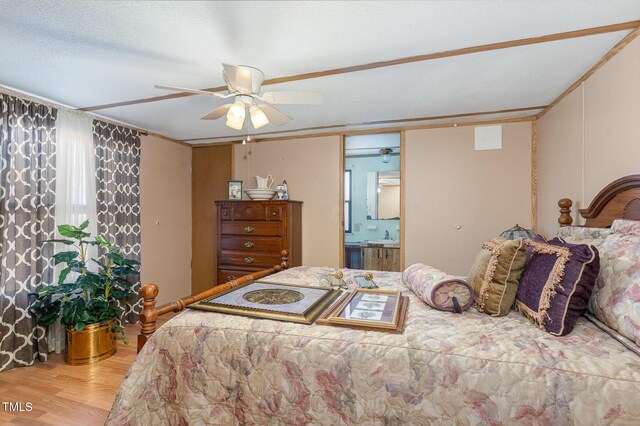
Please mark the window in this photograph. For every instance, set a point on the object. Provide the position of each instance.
(347, 201)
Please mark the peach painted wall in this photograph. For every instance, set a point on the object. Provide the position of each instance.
(449, 183)
(165, 197)
(559, 160)
(591, 137)
(311, 168)
(612, 121)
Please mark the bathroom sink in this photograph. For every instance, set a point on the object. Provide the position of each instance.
(386, 243)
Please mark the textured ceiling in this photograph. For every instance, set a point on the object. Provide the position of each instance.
(92, 53)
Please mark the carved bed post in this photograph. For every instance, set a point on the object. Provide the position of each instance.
(565, 218)
(149, 313)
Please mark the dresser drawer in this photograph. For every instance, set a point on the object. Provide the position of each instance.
(226, 213)
(225, 275)
(250, 228)
(251, 243)
(258, 213)
(238, 258)
(274, 213)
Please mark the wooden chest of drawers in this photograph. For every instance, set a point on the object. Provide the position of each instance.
(252, 235)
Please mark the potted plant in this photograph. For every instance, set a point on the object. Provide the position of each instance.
(86, 302)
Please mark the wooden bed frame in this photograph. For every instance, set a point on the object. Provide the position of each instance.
(149, 292)
(618, 200)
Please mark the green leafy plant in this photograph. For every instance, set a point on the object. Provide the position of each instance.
(91, 297)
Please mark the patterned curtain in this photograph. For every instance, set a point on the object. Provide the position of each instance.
(118, 192)
(27, 198)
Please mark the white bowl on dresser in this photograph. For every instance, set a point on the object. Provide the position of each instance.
(260, 193)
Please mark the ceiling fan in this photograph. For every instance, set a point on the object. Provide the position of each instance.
(244, 83)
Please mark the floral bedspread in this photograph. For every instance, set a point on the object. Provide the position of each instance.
(470, 368)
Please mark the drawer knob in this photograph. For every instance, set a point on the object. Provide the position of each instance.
(225, 214)
(231, 277)
(249, 244)
(248, 229)
(248, 259)
(274, 214)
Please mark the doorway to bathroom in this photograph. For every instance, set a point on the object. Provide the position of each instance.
(372, 202)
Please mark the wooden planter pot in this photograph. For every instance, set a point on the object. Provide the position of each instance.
(96, 342)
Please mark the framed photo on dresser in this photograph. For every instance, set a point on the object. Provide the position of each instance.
(235, 189)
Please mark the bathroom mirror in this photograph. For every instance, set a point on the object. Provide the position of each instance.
(383, 195)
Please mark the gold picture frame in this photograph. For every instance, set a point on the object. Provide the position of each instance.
(238, 301)
(360, 309)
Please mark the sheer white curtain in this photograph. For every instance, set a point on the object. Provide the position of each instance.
(75, 185)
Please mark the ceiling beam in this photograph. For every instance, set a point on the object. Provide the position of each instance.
(406, 60)
(373, 123)
(378, 130)
(610, 54)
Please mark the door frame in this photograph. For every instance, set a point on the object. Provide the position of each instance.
(341, 192)
(341, 202)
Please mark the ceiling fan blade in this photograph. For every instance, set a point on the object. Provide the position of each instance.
(275, 117)
(217, 113)
(199, 92)
(297, 98)
(238, 78)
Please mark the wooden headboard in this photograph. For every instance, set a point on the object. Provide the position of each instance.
(618, 200)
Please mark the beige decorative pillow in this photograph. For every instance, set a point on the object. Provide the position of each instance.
(495, 273)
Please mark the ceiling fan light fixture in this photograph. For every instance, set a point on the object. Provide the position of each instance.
(385, 154)
(258, 117)
(236, 115)
(244, 85)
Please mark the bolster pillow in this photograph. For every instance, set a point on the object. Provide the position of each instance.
(438, 289)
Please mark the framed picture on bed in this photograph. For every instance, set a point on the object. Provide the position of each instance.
(261, 299)
(369, 308)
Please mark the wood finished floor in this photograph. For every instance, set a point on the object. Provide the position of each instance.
(67, 395)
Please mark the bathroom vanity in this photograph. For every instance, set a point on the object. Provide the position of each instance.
(375, 256)
(381, 258)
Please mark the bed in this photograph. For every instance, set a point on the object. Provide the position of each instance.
(210, 368)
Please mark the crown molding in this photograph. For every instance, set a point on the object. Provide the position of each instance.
(395, 129)
(372, 123)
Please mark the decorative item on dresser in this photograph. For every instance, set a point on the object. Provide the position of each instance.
(252, 235)
(283, 191)
(235, 189)
(263, 189)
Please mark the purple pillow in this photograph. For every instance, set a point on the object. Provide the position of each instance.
(556, 283)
